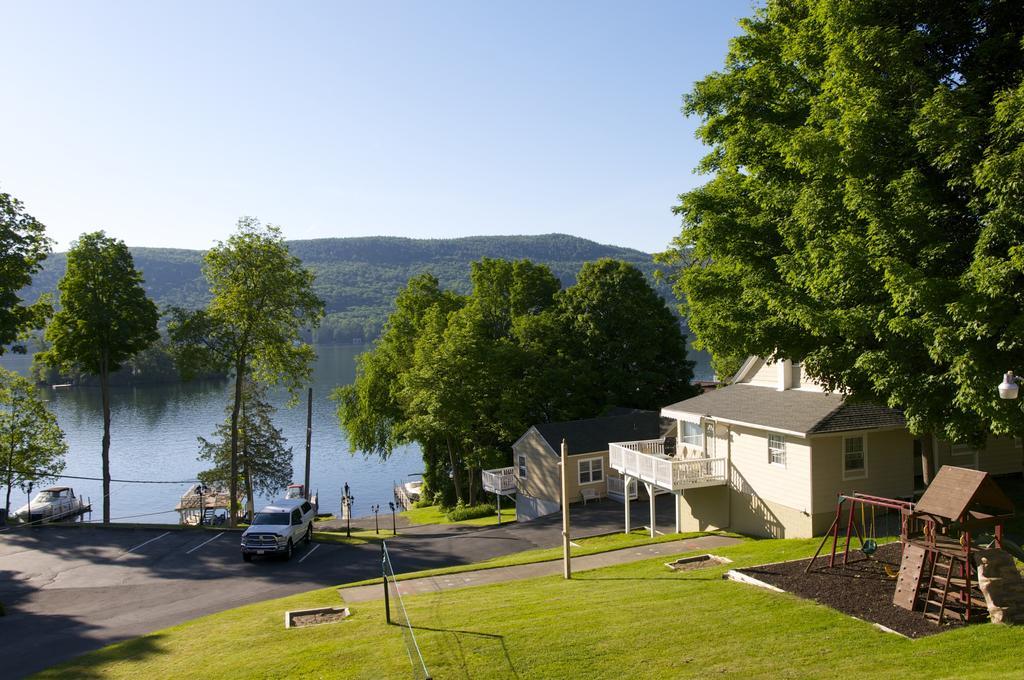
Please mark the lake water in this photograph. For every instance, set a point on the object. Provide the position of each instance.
(154, 430)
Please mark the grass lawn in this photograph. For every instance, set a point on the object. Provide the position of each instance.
(637, 620)
(433, 514)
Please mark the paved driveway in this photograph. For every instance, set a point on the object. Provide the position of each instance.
(72, 589)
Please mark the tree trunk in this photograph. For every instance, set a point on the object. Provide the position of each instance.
(10, 472)
(105, 395)
(455, 470)
(233, 479)
(250, 509)
(927, 458)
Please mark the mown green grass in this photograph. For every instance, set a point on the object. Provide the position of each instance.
(637, 620)
(433, 514)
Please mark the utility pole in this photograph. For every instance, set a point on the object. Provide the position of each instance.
(567, 571)
(309, 437)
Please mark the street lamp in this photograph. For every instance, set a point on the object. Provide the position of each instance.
(1008, 389)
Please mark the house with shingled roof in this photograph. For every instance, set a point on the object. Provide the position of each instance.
(767, 454)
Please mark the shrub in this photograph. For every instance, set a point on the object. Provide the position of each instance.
(463, 512)
(423, 502)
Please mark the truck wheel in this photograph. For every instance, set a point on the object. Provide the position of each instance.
(288, 550)
(309, 533)
(246, 557)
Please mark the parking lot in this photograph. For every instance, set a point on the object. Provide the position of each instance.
(71, 589)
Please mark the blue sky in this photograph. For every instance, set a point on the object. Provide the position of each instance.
(163, 122)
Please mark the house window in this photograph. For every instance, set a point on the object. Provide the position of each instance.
(591, 470)
(855, 458)
(692, 434)
(776, 449)
(521, 459)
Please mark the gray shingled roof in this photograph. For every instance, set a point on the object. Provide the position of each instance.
(791, 410)
(594, 434)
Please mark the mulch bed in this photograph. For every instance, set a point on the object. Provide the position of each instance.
(304, 620)
(692, 565)
(861, 588)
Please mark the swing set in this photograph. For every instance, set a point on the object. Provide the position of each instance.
(866, 534)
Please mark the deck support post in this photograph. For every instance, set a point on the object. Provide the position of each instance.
(650, 496)
(679, 511)
(625, 480)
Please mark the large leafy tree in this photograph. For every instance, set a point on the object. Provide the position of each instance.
(105, 319)
(625, 345)
(261, 301)
(864, 214)
(23, 247)
(32, 445)
(265, 459)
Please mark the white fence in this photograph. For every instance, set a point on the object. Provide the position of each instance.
(615, 487)
(646, 460)
(500, 480)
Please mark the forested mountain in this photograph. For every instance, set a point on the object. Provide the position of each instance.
(358, 278)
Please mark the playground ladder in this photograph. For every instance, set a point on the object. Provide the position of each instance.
(950, 585)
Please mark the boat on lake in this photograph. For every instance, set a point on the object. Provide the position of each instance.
(52, 504)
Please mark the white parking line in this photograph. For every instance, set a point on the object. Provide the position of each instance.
(311, 551)
(215, 537)
(166, 533)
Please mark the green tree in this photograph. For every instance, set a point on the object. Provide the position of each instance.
(864, 212)
(265, 459)
(261, 300)
(466, 376)
(23, 247)
(624, 344)
(32, 445)
(105, 319)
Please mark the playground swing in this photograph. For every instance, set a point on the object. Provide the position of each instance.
(870, 544)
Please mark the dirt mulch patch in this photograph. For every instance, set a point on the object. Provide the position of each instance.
(861, 588)
(699, 562)
(303, 620)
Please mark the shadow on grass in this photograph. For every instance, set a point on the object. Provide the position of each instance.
(94, 664)
(457, 634)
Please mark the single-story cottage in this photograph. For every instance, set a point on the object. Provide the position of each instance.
(536, 459)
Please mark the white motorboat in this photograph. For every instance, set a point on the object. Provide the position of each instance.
(54, 503)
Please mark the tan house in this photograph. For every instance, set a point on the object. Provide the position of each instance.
(536, 460)
(768, 454)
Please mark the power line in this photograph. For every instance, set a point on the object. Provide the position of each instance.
(43, 474)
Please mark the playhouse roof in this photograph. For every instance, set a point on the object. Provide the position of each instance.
(956, 490)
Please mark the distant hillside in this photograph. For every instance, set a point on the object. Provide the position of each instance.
(358, 278)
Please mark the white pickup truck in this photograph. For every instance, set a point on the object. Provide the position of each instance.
(277, 528)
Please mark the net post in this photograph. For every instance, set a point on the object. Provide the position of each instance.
(384, 574)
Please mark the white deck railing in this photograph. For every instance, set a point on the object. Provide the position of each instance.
(615, 487)
(646, 460)
(500, 480)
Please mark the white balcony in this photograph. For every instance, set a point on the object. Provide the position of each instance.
(646, 460)
(500, 480)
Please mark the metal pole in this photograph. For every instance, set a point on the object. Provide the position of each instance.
(309, 437)
(394, 526)
(384, 573)
(567, 570)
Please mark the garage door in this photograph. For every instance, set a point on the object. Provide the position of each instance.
(528, 508)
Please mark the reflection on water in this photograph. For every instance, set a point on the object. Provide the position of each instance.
(154, 430)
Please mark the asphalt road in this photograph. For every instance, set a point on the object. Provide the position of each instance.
(71, 589)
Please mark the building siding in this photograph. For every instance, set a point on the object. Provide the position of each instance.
(890, 468)
(751, 473)
(543, 476)
(999, 456)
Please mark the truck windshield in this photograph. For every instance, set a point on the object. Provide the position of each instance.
(271, 518)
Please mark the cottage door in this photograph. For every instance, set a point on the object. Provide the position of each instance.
(709, 439)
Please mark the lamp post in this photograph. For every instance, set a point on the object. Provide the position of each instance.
(1009, 388)
(200, 489)
(346, 504)
(394, 526)
(376, 526)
